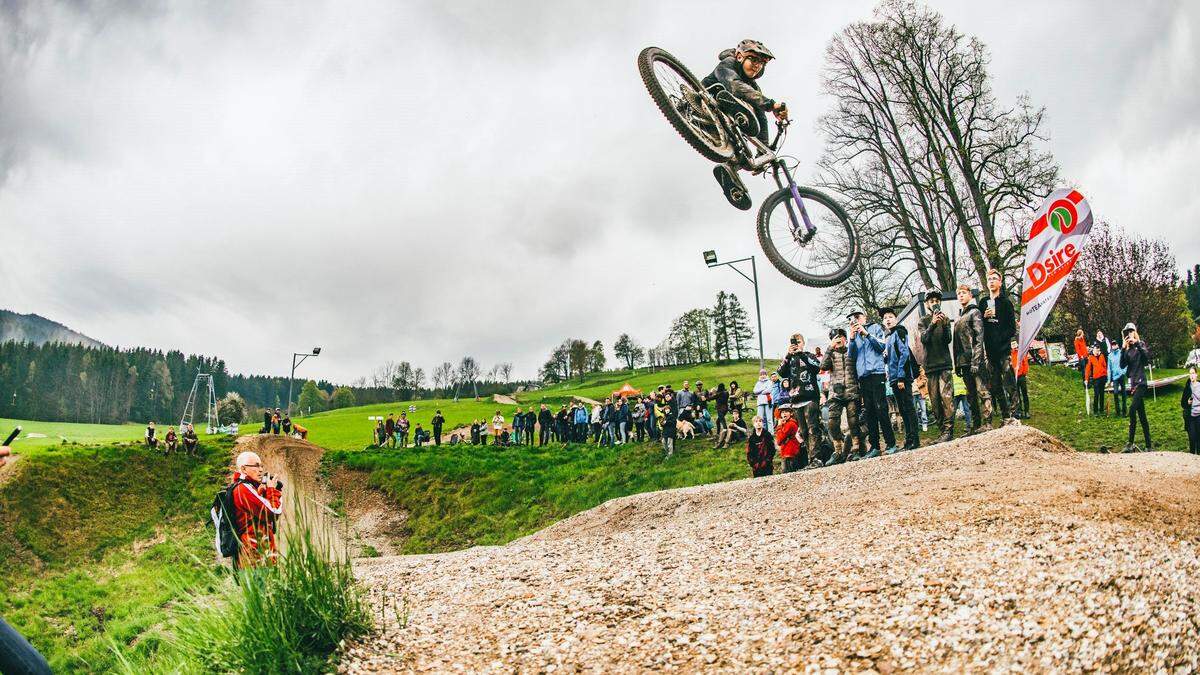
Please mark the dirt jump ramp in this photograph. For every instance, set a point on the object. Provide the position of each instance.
(1001, 551)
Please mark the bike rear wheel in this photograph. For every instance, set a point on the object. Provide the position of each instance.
(685, 104)
(827, 258)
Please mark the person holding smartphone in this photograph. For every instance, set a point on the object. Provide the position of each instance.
(1135, 359)
(843, 396)
(971, 362)
(802, 369)
(999, 328)
(867, 346)
(935, 332)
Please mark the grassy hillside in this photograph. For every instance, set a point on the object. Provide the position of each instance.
(97, 543)
(349, 428)
(474, 495)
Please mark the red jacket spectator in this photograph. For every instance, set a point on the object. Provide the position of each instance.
(1022, 368)
(1081, 349)
(785, 438)
(1097, 367)
(257, 507)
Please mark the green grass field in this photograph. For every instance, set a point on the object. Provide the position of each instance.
(40, 437)
(472, 495)
(36, 434)
(1056, 397)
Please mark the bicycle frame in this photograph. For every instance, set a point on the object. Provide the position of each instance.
(803, 228)
(778, 167)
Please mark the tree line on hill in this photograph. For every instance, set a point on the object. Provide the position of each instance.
(76, 383)
(719, 333)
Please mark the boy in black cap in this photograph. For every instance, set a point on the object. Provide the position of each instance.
(843, 395)
(934, 331)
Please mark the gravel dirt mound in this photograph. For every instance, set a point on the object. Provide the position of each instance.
(1004, 550)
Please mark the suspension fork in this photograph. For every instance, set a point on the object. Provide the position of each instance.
(803, 232)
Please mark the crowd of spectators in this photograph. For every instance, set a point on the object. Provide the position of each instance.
(170, 442)
(865, 396)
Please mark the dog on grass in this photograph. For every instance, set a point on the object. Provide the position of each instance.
(685, 429)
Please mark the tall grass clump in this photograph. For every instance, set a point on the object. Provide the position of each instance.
(284, 618)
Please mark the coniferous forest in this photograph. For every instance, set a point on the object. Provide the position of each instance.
(73, 383)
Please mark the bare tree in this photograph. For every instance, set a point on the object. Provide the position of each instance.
(468, 370)
(506, 369)
(939, 177)
(385, 375)
(443, 375)
(1122, 278)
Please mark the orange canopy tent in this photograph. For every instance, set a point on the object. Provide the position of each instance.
(626, 391)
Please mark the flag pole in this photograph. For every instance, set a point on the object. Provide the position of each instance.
(1087, 401)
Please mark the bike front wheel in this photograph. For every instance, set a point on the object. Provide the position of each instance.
(827, 257)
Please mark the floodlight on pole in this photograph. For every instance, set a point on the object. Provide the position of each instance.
(710, 259)
(316, 351)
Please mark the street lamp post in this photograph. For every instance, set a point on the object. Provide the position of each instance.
(315, 352)
(710, 259)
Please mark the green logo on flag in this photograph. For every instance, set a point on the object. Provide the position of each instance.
(1061, 216)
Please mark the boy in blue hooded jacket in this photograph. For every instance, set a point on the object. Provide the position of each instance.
(1118, 379)
(867, 345)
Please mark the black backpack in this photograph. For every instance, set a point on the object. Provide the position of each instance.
(228, 539)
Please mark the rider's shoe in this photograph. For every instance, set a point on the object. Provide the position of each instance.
(735, 190)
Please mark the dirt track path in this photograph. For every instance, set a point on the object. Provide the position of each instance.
(370, 522)
(9, 468)
(1001, 551)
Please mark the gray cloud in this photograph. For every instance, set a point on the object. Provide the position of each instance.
(424, 180)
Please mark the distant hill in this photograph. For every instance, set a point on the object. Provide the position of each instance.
(39, 330)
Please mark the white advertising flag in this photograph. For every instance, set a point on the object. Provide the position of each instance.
(1056, 239)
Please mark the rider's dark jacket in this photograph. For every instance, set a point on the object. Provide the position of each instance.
(730, 75)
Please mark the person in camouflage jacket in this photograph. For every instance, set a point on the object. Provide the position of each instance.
(843, 395)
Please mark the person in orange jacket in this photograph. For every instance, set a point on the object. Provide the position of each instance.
(1081, 350)
(786, 441)
(1095, 373)
(258, 503)
(1022, 396)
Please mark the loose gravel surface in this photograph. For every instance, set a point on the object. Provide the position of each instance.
(1001, 551)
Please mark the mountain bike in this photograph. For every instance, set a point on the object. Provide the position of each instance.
(804, 233)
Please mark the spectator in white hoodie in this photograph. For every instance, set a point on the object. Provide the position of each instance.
(762, 398)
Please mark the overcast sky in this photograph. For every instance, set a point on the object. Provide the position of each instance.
(421, 181)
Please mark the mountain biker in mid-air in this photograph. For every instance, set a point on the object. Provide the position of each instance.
(733, 84)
